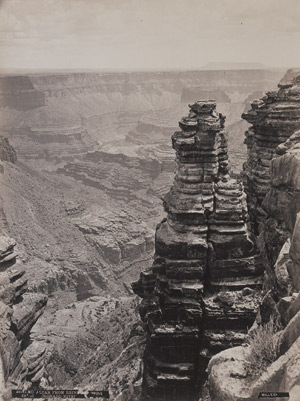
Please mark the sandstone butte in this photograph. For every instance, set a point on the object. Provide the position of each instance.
(205, 288)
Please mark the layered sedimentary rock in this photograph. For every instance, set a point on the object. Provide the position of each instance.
(19, 311)
(124, 240)
(274, 119)
(202, 292)
(281, 205)
(54, 118)
(280, 247)
(50, 143)
(7, 152)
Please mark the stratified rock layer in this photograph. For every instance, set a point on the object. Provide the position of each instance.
(274, 119)
(281, 205)
(7, 152)
(19, 311)
(229, 375)
(202, 292)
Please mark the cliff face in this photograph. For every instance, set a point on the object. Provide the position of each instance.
(202, 292)
(7, 152)
(49, 147)
(19, 311)
(271, 170)
(281, 205)
(279, 242)
(274, 119)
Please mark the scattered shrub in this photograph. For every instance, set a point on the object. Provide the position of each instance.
(264, 345)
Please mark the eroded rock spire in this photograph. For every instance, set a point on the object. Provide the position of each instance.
(203, 290)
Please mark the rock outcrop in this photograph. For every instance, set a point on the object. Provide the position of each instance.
(19, 311)
(275, 205)
(274, 119)
(7, 152)
(280, 227)
(124, 240)
(203, 290)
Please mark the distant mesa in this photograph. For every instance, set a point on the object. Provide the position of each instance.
(214, 65)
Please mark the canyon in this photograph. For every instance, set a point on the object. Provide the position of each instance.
(206, 287)
(83, 172)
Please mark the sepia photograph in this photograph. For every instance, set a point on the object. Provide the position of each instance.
(150, 200)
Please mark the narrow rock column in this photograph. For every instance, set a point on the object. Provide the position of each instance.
(194, 299)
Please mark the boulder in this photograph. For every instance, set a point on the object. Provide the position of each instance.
(226, 384)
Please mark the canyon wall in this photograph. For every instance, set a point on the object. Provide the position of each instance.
(272, 184)
(21, 360)
(56, 118)
(203, 290)
(274, 119)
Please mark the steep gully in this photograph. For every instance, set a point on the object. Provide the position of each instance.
(206, 262)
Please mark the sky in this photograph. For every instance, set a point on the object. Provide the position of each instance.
(148, 34)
